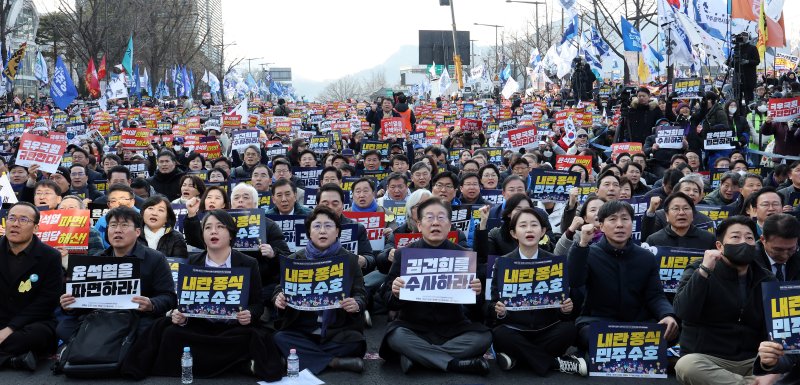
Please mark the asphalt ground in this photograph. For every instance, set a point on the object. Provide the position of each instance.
(376, 372)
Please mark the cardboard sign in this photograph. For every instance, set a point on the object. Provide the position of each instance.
(135, 139)
(35, 149)
(784, 109)
(564, 162)
(65, 228)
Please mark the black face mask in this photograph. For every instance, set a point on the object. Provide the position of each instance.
(741, 254)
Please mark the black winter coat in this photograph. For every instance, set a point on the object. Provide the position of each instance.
(168, 185)
(639, 123)
(715, 319)
(20, 307)
(694, 239)
(171, 244)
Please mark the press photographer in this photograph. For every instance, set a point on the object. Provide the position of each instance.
(744, 61)
(637, 121)
(582, 79)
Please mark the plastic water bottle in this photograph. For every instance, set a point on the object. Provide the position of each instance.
(293, 364)
(186, 366)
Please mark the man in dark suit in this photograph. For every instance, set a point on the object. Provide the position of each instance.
(435, 335)
(777, 248)
(30, 280)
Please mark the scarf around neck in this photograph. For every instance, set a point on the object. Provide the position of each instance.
(369, 209)
(314, 253)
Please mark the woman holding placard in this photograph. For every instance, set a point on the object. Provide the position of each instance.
(218, 345)
(537, 337)
(332, 338)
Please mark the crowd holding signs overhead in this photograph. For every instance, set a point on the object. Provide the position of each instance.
(613, 222)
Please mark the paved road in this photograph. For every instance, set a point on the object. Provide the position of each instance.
(377, 372)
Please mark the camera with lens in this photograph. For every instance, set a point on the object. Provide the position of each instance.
(740, 39)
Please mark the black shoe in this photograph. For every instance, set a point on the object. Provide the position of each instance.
(505, 362)
(405, 364)
(472, 366)
(26, 361)
(573, 365)
(351, 364)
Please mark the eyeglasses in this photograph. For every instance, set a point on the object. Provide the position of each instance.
(430, 218)
(442, 186)
(78, 174)
(583, 136)
(44, 193)
(680, 209)
(122, 226)
(320, 226)
(766, 205)
(20, 220)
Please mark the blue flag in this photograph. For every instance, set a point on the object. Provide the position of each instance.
(571, 30)
(631, 38)
(178, 79)
(187, 87)
(505, 73)
(599, 44)
(127, 59)
(62, 89)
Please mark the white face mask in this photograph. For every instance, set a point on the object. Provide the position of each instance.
(547, 154)
(732, 110)
(762, 108)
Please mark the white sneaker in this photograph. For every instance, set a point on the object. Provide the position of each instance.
(573, 365)
(505, 362)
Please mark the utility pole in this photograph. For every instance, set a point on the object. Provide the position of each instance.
(472, 52)
(537, 4)
(249, 69)
(456, 56)
(496, 45)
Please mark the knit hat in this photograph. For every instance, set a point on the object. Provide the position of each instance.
(63, 171)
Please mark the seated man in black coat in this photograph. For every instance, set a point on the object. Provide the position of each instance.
(719, 301)
(619, 279)
(435, 335)
(31, 283)
(157, 287)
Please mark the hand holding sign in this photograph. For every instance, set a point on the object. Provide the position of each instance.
(398, 284)
(769, 353)
(280, 301)
(672, 328)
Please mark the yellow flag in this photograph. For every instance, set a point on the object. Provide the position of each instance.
(762, 33)
(644, 70)
(13, 63)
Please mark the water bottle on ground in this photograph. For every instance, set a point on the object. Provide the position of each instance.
(293, 364)
(186, 366)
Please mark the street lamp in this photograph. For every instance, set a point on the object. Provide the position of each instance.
(496, 54)
(537, 4)
(250, 70)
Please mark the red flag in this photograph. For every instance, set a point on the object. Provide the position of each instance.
(101, 72)
(742, 9)
(776, 35)
(92, 84)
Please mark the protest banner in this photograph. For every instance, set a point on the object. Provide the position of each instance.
(231, 122)
(794, 199)
(65, 228)
(627, 349)
(174, 266)
(523, 136)
(392, 128)
(553, 186)
(320, 144)
(715, 176)
(59, 136)
(528, 284)
(435, 275)
(251, 228)
(35, 149)
(628, 147)
(470, 125)
(315, 284)
(136, 138)
(785, 62)
(719, 140)
(493, 196)
(396, 208)
(209, 147)
(782, 313)
(243, 139)
(716, 213)
(564, 162)
(265, 200)
(783, 109)
(374, 224)
(377, 145)
(672, 263)
(307, 176)
(669, 137)
(687, 88)
(103, 282)
(639, 204)
(211, 292)
(495, 154)
(287, 225)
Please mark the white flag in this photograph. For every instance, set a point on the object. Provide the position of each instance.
(241, 110)
(444, 82)
(510, 88)
(433, 69)
(40, 71)
(6, 191)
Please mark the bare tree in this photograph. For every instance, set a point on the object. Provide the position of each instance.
(342, 89)
(374, 80)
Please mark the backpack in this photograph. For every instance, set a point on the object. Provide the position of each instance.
(99, 345)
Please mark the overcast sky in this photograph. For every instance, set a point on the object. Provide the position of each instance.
(324, 40)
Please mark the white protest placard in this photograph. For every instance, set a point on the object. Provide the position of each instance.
(243, 139)
(35, 149)
(441, 276)
(669, 137)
